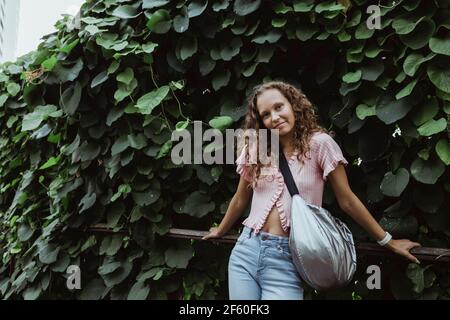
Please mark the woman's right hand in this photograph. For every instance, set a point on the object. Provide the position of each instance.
(213, 233)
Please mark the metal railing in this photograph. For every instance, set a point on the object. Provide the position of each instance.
(428, 254)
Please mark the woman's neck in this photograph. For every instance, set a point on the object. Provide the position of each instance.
(287, 143)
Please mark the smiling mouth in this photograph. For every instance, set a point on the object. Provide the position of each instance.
(279, 125)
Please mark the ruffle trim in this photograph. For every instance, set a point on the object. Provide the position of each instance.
(242, 167)
(244, 171)
(274, 200)
(332, 165)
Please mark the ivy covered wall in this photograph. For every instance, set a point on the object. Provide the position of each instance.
(86, 123)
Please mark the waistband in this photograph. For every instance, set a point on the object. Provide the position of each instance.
(265, 236)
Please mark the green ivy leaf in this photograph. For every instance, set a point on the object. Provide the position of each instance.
(414, 61)
(126, 76)
(138, 141)
(114, 214)
(428, 110)
(121, 144)
(53, 161)
(245, 7)
(3, 99)
(279, 22)
(146, 198)
(443, 151)
(439, 76)
(303, 6)
(50, 63)
(123, 189)
(179, 256)
(89, 151)
(440, 46)
(352, 77)
(118, 276)
(188, 47)
(32, 292)
(406, 91)
(167, 146)
(126, 12)
(271, 37)
(362, 32)
(196, 8)
(206, 65)
(420, 36)
(390, 110)
(149, 47)
(24, 232)
(67, 74)
(363, 111)
(33, 120)
(221, 123)
(139, 291)
(198, 205)
(394, 184)
(150, 4)
(70, 99)
(400, 226)
(231, 49)
(87, 202)
(427, 171)
(67, 49)
(221, 79)
(49, 253)
(424, 154)
(432, 127)
(406, 23)
(13, 89)
(328, 6)
(94, 290)
(99, 79)
(181, 21)
(157, 17)
(180, 126)
(151, 100)
(415, 273)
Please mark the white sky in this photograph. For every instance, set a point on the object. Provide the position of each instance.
(38, 17)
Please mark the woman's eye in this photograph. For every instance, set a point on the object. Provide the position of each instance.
(278, 107)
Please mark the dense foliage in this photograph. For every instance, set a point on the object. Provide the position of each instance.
(86, 124)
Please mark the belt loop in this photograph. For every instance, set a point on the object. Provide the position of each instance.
(250, 233)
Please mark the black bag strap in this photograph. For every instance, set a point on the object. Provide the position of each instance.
(287, 175)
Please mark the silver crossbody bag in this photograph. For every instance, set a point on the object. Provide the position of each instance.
(322, 246)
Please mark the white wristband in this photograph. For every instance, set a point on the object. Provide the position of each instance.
(385, 240)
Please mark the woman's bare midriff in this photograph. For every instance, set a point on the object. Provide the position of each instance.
(273, 224)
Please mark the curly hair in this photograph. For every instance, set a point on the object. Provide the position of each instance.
(306, 120)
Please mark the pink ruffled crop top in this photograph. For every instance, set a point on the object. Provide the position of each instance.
(324, 156)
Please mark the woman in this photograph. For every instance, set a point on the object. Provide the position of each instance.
(260, 265)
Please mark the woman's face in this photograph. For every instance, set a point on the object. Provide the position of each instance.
(275, 111)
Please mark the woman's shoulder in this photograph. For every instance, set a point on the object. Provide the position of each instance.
(318, 138)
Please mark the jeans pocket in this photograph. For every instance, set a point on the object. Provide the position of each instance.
(242, 238)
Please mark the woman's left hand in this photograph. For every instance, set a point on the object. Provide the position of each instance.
(402, 248)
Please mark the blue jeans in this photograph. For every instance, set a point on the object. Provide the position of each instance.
(261, 268)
